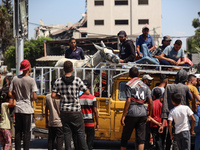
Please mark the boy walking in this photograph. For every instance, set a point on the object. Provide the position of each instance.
(53, 122)
(179, 114)
(89, 108)
(70, 109)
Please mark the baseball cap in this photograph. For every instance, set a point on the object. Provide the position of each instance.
(197, 75)
(167, 38)
(157, 91)
(24, 65)
(146, 76)
(121, 33)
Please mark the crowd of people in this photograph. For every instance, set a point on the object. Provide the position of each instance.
(163, 112)
(68, 113)
(169, 108)
(146, 52)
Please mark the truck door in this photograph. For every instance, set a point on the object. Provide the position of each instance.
(119, 107)
(104, 110)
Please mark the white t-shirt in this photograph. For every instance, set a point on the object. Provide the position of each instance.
(180, 116)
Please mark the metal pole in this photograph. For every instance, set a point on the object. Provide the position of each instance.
(20, 54)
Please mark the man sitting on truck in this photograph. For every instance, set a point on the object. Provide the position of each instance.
(145, 46)
(134, 114)
(166, 41)
(172, 53)
(127, 48)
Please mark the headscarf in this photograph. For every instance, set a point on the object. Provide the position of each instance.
(181, 77)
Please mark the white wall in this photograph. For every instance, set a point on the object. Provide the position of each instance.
(110, 12)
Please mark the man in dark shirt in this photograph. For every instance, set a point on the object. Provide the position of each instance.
(134, 115)
(127, 48)
(74, 52)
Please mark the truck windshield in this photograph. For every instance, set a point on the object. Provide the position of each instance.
(122, 95)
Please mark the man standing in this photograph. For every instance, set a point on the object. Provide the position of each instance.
(147, 79)
(192, 82)
(179, 87)
(145, 46)
(134, 114)
(74, 52)
(24, 89)
(127, 48)
(69, 87)
(172, 53)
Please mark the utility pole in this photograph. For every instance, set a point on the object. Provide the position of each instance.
(20, 31)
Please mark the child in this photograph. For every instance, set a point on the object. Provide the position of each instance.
(53, 122)
(180, 114)
(89, 107)
(5, 126)
(156, 121)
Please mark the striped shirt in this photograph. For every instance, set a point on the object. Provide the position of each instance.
(88, 102)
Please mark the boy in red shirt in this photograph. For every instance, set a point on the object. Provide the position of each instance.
(158, 138)
(89, 110)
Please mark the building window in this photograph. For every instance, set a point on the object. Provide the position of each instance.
(121, 2)
(143, 21)
(98, 2)
(98, 22)
(143, 2)
(121, 22)
(83, 34)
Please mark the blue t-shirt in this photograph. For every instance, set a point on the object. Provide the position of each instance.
(172, 54)
(77, 54)
(149, 42)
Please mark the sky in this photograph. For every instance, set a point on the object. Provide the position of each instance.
(177, 15)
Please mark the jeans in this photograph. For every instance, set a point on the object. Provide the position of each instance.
(22, 125)
(90, 136)
(165, 62)
(55, 133)
(183, 140)
(73, 124)
(147, 58)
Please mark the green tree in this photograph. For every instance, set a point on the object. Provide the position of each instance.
(33, 49)
(6, 25)
(193, 43)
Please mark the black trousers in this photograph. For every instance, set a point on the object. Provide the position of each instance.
(22, 127)
(55, 133)
(73, 124)
(89, 131)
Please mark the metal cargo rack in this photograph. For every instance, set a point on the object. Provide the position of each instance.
(44, 75)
